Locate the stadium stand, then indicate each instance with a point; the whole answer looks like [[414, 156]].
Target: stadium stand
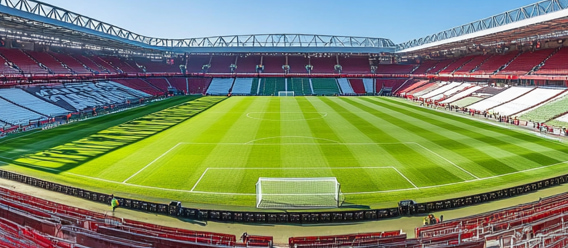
[[27, 221], [220, 86], [30, 102], [345, 86], [419, 92], [501, 98], [526, 62], [242, 86], [182, 84], [495, 62], [357, 86], [16, 115], [323, 64], [196, 63], [120, 65], [467, 101], [471, 64], [441, 65], [106, 64], [511, 227], [196, 85], [5, 68], [458, 63], [526, 101], [221, 64], [23, 61], [273, 64], [80, 96], [444, 86], [543, 113], [271, 86], [369, 85], [425, 66], [141, 85], [97, 68], [394, 69], [297, 64], [388, 86], [160, 83], [556, 64], [247, 64], [450, 92], [410, 87], [354, 64], [563, 118], [460, 95], [325, 86], [154, 66], [300, 86], [49, 61], [386, 239], [71, 63]]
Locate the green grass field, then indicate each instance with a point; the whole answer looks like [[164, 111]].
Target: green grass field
[[212, 150]]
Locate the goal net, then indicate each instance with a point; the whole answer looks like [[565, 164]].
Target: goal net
[[298, 193], [285, 93]]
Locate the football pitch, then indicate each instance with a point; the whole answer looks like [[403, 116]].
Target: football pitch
[[212, 150]]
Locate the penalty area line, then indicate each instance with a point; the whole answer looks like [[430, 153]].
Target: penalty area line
[[414, 185], [199, 180], [153, 161], [447, 160], [347, 193]]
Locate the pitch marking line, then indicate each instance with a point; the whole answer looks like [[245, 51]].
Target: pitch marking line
[[447, 160], [252, 142], [153, 161], [405, 177], [350, 193], [299, 168], [195, 185]]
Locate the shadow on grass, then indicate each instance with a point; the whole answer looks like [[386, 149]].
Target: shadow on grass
[[72, 154], [354, 206]]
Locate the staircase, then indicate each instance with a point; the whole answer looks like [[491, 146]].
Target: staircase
[[507, 64], [457, 69], [537, 67], [483, 62]]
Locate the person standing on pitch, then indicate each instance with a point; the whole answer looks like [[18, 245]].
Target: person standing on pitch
[[113, 202]]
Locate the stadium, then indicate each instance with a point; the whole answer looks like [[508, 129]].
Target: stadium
[[283, 140]]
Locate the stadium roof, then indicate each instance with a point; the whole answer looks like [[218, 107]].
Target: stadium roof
[[546, 19], [40, 21]]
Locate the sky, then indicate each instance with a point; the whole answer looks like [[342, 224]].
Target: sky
[[398, 20]]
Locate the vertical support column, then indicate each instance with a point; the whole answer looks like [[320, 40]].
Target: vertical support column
[[312, 87], [187, 86]]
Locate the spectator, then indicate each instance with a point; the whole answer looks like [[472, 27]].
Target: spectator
[[113, 203]]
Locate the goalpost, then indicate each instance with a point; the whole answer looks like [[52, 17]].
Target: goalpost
[[298, 193], [285, 93]]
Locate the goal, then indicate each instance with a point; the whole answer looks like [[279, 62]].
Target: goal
[[298, 193], [285, 93]]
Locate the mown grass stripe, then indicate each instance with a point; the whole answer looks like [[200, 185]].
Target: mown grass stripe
[[407, 155], [338, 155], [509, 132], [536, 157], [434, 137]]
